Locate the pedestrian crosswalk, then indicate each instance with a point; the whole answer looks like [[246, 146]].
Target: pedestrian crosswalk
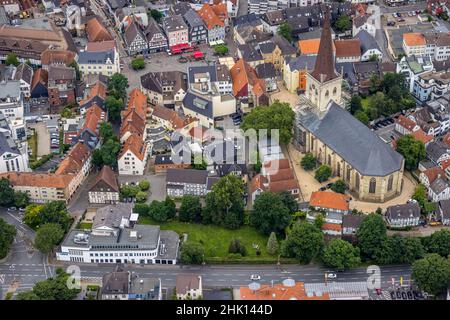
[[386, 295]]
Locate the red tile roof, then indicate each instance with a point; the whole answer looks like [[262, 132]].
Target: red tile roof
[[136, 145], [96, 31], [210, 17], [348, 48], [329, 200], [75, 159], [406, 122]]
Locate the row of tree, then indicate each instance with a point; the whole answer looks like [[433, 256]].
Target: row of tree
[[10, 197]]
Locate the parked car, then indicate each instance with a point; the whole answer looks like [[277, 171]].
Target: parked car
[[331, 275]]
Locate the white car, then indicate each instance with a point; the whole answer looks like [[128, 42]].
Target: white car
[[331, 275], [255, 277]]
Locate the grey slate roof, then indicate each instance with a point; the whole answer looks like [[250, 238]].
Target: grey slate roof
[[198, 104], [192, 71], [181, 8], [115, 283], [193, 19], [186, 176], [174, 23], [403, 211], [265, 70], [353, 141], [9, 89], [249, 53], [352, 221], [301, 62], [439, 185], [445, 208], [97, 57], [435, 150], [7, 145], [267, 47], [367, 41], [111, 216]]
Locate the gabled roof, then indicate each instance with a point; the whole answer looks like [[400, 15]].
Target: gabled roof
[[96, 31], [51, 56], [243, 74], [75, 159], [367, 41], [347, 48], [106, 178], [403, 211], [132, 32], [40, 76], [354, 142], [210, 17], [434, 173], [405, 122], [136, 145], [309, 47], [24, 72], [32, 179], [330, 200]]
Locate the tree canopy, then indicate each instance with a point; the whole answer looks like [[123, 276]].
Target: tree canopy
[[432, 273], [51, 212], [303, 243], [323, 173], [308, 161], [117, 86], [11, 59], [190, 209], [277, 116], [114, 106], [270, 214], [48, 236], [192, 253], [285, 31], [341, 255], [225, 204], [412, 150], [371, 235], [7, 234], [138, 63], [343, 23]]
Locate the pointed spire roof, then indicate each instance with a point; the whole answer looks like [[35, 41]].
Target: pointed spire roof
[[324, 69]]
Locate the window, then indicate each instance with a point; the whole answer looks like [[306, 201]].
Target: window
[[329, 160], [390, 182], [327, 93], [338, 169], [349, 172], [372, 185], [334, 91]]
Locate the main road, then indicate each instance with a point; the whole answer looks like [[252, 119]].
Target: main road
[[219, 276]]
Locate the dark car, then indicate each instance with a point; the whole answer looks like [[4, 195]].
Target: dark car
[[219, 119], [392, 293], [404, 296], [322, 189], [410, 295], [398, 295], [328, 186]]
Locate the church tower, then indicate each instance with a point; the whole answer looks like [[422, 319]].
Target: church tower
[[324, 83]]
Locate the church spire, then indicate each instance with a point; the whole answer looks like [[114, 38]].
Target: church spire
[[324, 68]]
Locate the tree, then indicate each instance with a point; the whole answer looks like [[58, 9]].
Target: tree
[[289, 201], [50, 212], [106, 131], [420, 195], [192, 253], [323, 173], [339, 186], [373, 58], [362, 116], [412, 150], [319, 221], [21, 199], [7, 235], [343, 23], [109, 151], [221, 49], [278, 116], [303, 243], [285, 31], [74, 65], [114, 106], [355, 104], [156, 14], [371, 235], [138, 63], [171, 210], [48, 236], [225, 204], [141, 208], [51, 289], [236, 246], [6, 193], [97, 158], [308, 161], [67, 113], [431, 273], [190, 209], [341, 255], [270, 214], [158, 211], [144, 185], [439, 242], [272, 244], [11, 59], [129, 191], [141, 197], [117, 86]]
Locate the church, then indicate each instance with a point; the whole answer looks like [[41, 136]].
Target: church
[[372, 170]]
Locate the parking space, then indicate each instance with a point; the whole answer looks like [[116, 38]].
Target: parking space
[[43, 137], [404, 294]]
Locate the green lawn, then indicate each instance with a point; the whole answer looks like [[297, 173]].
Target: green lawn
[[32, 142], [86, 225], [217, 239]]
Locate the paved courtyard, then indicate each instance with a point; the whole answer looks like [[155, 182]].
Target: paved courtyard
[[43, 137]]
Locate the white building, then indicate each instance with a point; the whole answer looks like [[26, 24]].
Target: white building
[[141, 244], [132, 158], [11, 99], [13, 157], [105, 63], [403, 215], [105, 188]]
